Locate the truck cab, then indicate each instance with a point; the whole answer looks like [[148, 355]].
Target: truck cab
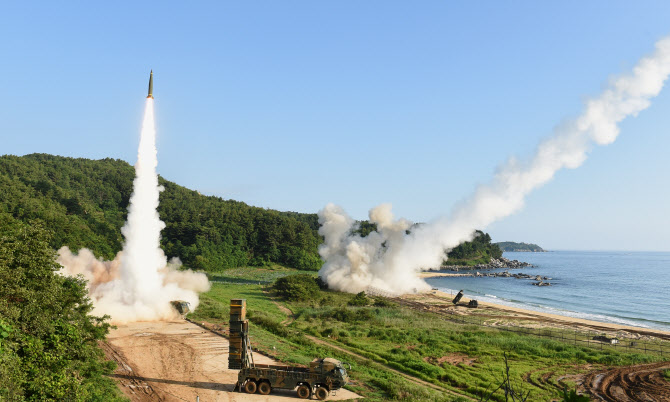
[[332, 370]]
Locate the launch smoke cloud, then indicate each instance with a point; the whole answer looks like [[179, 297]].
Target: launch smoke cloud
[[138, 284], [390, 258]]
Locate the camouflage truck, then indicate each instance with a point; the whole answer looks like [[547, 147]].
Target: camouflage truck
[[182, 307], [322, 376], [319, 379]]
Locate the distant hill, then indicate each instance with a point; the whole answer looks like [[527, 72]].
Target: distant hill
[[513, 246], [84, 202]]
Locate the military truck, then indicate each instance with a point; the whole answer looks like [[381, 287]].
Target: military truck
[[319, 379], [181, 306]]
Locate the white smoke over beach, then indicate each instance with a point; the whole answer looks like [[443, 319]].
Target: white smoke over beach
[[390, 258], [139, 283]]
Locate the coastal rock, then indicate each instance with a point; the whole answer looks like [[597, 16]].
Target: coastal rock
[[541, 283], [501, 262]]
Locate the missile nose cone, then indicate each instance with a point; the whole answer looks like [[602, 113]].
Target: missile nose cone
[[151, 85]]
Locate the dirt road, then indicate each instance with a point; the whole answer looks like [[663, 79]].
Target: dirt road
[[179, 361]]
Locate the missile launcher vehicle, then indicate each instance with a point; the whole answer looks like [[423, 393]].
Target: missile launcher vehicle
[[319, 379], [181, 306]]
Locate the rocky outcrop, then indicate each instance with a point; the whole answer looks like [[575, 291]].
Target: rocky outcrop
[[507, 274], [501, 262], [497, 264]]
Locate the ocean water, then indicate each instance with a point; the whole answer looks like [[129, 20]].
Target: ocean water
[[628, 288]]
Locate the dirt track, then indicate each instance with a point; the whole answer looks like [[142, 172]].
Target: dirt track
[[179, 361], [643, 382]]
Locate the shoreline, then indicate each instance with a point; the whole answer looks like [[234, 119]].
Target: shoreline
[[434, 274], [533, 317]]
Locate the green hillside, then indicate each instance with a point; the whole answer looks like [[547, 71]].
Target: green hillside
[[478, 251], [84, 202], [513, 246]]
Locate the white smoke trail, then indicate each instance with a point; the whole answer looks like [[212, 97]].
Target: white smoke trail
[[390, 258], [139, 284]]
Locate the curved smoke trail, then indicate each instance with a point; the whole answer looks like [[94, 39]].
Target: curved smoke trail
[[139, 284], [390, 258]]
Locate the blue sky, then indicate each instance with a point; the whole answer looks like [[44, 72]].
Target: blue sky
[[291, 105]]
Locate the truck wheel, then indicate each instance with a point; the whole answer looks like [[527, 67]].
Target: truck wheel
[[321, 393], [250, 387], [304, 392], [264, 388]]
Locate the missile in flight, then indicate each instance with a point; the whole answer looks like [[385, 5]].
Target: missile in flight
[[151, 85]]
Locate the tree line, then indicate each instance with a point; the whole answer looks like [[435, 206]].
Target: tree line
[[85, 203]]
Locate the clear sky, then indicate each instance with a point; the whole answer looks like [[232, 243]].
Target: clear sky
[[291, 105]]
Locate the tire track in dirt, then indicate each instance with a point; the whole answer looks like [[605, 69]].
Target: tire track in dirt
[[126, 377], [643, 382], [290, 317]]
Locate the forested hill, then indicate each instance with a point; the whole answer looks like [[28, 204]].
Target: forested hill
[[84, 202], [514, 246]]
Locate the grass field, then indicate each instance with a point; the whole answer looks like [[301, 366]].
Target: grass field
[[465, 360]]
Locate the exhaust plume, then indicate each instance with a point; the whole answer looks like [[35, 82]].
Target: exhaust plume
[[139, 283], [390, 259]]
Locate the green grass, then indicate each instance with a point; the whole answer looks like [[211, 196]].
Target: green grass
[[373, 381], [666, 374], [417, 343], [254, 275]]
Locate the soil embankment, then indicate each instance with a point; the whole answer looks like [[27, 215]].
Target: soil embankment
[[179, 361]]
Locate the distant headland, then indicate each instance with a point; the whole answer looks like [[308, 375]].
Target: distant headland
[[513, 246]]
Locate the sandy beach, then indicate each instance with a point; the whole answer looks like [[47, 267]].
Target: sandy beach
[[435, 274], [514, 316]]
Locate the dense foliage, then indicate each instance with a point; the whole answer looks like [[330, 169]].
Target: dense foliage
[[513, 246], [359, 300], [48, 341], [478, 251], [297, 287], [85, 203]]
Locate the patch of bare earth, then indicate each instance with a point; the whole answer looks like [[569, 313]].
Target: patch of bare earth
[[179, 361], [454, 359], [642, 382]]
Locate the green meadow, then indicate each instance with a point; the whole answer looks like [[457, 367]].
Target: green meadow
[[438, 359]]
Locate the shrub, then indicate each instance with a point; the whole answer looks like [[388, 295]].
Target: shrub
[[359, 300], [381, 302], [297, 287], [326, 300], [322, 284], [269, 325]]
